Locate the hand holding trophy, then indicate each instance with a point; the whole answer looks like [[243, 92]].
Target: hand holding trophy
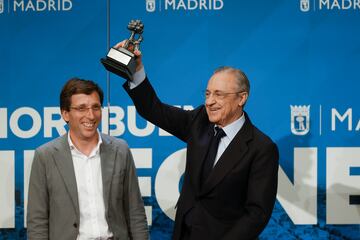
[[122, 61]]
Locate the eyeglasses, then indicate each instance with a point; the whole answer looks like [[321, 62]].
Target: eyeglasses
[[219, 94], [85, 109]]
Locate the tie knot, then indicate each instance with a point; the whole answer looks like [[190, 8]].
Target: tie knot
[[219, 133]]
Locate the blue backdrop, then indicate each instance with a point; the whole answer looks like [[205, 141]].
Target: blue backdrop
[[302, 58]]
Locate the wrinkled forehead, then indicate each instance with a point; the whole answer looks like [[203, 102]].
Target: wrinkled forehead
[[222, 81]]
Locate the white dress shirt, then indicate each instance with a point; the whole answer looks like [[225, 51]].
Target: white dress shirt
[[88, 175], [231, 130]]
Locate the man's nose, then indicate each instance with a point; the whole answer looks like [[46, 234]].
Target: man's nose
[[210, 99], [90, 113]]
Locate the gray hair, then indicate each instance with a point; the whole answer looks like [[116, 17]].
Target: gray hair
[[242, 80]]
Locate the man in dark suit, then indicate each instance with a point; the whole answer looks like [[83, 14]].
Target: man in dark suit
[[230, 179], [83, 185]]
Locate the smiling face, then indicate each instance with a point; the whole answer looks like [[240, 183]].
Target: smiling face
[[83, 117], [224, 99]]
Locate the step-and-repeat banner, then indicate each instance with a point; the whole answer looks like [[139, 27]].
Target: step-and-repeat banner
[[302, 58]]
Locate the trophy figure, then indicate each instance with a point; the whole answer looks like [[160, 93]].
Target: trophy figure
[[122, 61]]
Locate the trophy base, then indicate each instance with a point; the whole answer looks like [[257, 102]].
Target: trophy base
[[120, 62]]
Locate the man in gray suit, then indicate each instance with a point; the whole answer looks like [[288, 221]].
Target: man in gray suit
[[83, 185]]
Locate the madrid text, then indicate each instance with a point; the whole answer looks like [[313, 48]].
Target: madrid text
[[346, 118], [194, 4], [41, 5], [339, 4]]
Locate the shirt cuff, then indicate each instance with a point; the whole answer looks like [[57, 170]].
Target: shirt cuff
[[138, 78]]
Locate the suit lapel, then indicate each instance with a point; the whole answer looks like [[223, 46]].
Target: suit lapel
[[107, 156], [200, 153], [64, 163], [232, 155]]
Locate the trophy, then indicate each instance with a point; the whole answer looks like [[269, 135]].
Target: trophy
[[122, 61]]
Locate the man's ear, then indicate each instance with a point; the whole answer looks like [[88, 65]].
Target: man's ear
[[243, 98], [65, 115]]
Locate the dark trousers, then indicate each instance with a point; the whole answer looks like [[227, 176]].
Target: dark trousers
[[187, 233]]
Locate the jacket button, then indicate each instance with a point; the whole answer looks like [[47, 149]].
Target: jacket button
[[75, 225]]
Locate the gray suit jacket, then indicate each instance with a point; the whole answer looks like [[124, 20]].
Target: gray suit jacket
[[53, 207]]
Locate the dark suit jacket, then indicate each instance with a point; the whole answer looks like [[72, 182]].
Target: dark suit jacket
[[53, 207], [237, 199]]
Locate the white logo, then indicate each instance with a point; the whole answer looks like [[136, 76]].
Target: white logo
[[150, 5], [300, 119], [1, 6], [304, 5]]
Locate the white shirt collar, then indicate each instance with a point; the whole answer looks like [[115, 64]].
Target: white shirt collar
[[233, 128], [93, 152]]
